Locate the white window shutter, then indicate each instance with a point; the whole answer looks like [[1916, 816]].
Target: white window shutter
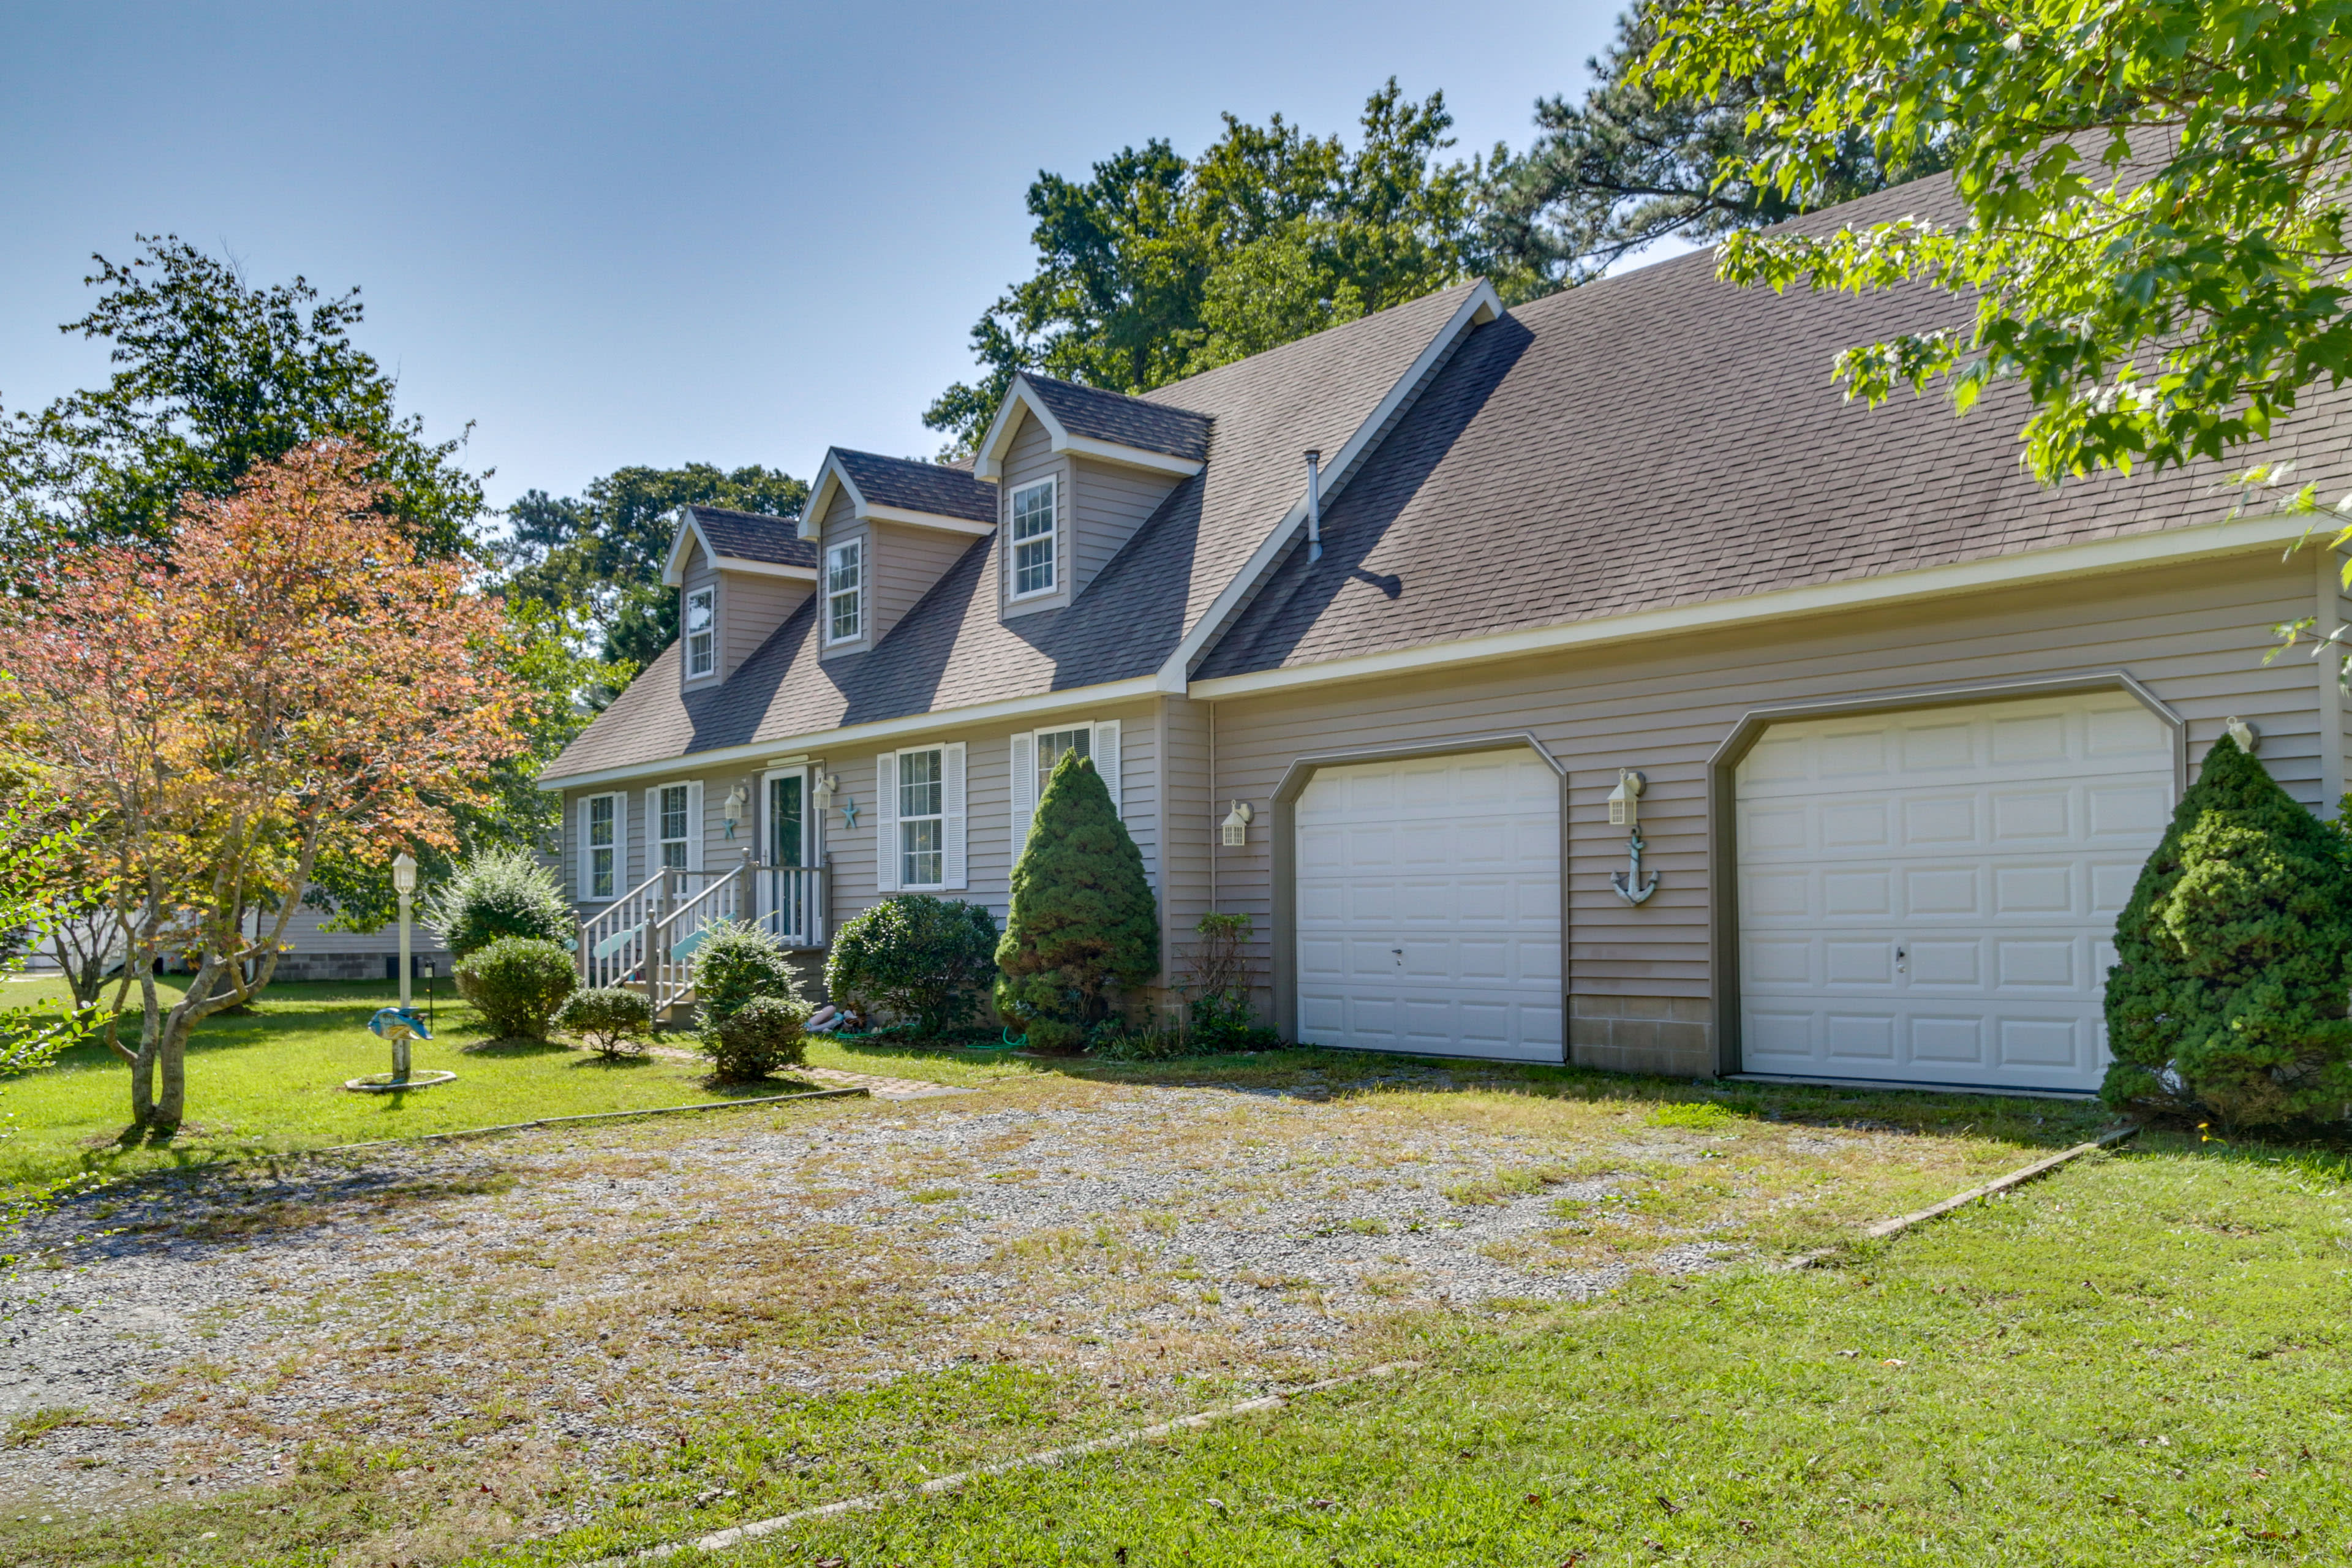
[[621, 883], [1025, 792], [1105, 754], [694, 825], [582, 886], [952, 808], [653, 830], [885, 823]]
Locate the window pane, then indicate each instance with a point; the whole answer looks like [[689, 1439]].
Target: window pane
[[697, 609], [599, 820], [1051, 744], [600, 873], [673, 809], [784, 821], [918, 784], [922, 862]]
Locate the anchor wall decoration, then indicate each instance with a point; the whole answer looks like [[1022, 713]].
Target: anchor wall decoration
[[1624, 811]]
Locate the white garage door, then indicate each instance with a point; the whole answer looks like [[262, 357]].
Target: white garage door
[[1428, 906], [1930, 896]]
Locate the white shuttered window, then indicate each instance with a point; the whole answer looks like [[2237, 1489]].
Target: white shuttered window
[[919, 838], [1034, 755], [604, 845]]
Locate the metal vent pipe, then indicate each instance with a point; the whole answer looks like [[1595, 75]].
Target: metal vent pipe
[[1314, 505]]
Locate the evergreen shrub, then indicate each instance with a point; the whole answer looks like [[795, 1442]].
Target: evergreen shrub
[[500, 892], [915, 958], [611, 1020], [2229, 996], [734, 963], [517, 982], [1083, 918], [765, 1034]]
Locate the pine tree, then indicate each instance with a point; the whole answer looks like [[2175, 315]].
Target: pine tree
[[1083, 915], [2234, 958]]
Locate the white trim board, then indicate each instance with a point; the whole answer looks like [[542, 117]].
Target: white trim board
[[2167, 547], [1482, 305], [1077, 699]]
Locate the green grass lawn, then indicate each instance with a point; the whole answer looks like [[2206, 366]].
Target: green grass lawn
[[2142, 1361], [270, 1082]]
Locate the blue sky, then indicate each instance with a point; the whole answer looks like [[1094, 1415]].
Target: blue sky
[[659, 233]]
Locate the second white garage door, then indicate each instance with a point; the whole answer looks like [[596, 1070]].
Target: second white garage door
[[1930, 896], [1428, 906]]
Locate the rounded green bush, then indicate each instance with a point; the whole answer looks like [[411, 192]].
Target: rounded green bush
[[735, 962], [914, 957], [765, 1034], [611, 1020], [518, 983], [500, 892]]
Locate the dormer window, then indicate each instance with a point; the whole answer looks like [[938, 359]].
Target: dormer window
[[845, 577], [701, 632], [1032, 539]]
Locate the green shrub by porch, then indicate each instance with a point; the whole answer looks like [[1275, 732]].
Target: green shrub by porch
[[2229, 996], [518, 982], [916, 957], [734, 963], [1083, 918], [500, 892]]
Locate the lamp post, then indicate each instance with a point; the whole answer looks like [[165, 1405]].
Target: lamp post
[[403, 880]]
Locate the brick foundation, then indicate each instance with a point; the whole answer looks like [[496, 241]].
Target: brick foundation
[[1672, 1035]]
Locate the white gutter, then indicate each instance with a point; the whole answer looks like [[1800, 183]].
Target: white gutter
[[2169, 547], [816, 742]]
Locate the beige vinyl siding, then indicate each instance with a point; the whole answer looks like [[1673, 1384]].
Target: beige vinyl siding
[[907, 562], [840, 526], [1030, 458], [2195, 636], [1186, 827], [1106, 504], [752, 605]]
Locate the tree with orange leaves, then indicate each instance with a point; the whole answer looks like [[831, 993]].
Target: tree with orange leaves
[[296, 677]]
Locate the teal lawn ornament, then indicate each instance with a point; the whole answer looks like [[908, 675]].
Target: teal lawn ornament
[[400, 1025]]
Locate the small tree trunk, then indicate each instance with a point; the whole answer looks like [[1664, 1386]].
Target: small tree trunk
[[143, 1066], [172, 1101]]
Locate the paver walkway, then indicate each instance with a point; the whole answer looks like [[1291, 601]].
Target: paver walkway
[[875, 1084]]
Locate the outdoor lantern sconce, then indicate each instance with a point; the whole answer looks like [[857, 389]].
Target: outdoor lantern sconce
[[2248, 737], [1625, 811], [731, 813], [1236, 825]]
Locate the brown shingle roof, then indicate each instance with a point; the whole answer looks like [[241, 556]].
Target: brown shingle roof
[[943, 490], [1124, 421], [952, 649], [1662, 438], [754, 536]]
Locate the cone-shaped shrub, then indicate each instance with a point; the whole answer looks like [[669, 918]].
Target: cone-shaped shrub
[[2234, 958], [1083, 918]]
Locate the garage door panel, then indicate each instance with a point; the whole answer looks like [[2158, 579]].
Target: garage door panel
[[2016, 832], [1447, 903]]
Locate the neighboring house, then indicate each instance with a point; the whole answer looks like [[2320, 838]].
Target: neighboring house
[[1906, 723]]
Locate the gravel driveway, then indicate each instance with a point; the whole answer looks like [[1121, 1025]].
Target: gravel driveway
[[566, 1292]]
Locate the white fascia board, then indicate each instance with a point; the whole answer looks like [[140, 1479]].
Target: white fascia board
[[817, 742], [1482, 305], [828, 474], [1129, 456], [674, 566], [2172, 546], [939, 521], [765, 568], [988, 459]]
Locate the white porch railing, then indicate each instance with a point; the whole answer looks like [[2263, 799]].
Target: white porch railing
[[646, 937]]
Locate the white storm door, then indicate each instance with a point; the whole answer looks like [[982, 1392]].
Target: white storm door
[[1930, 896], [1428, 906]]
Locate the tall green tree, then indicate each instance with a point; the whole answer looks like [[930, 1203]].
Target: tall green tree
[[2152, 199], [1083, 918], [604, 550], [1625, 166], [1160, 266], [214, 374]]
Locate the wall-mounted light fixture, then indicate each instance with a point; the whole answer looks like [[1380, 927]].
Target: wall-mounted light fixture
[[1624, 801], [732, 810], [1236, 825], [2247, 736], [821, 786]]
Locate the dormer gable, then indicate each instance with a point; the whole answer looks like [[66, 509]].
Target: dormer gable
[[738, 576], [1108, 426], [1080, 471], [885, 530]]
